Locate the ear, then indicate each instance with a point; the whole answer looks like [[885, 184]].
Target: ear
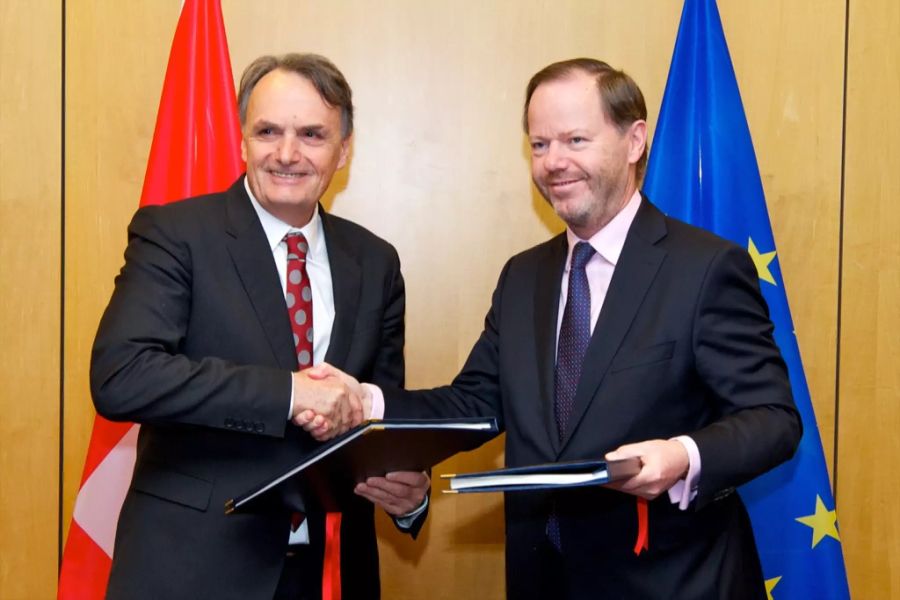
[[637, 140], [244, 149], [345, 151]]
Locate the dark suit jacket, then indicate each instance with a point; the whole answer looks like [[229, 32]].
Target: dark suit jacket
[[196, 346], [683, 345]]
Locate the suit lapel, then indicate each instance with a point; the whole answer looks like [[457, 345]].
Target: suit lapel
[[346, 279], [635, 271], [546, 314], [252, 258]]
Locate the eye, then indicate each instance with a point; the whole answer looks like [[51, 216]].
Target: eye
[[577, 139], [312, 133], [537, 145]]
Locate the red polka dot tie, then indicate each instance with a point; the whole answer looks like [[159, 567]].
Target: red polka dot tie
[[300, 310], [299, 298]]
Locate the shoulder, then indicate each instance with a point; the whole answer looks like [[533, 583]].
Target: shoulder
[[197, 217], [538, 265], [553, 249], [681, 241], [693, 251], [204, 205]]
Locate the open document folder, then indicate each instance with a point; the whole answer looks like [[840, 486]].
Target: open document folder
[[550, 475], [368, 450]]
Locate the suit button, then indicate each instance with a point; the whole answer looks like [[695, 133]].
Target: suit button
[[239, 425], [229, 423], [259, 427]]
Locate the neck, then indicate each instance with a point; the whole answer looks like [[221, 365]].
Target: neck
[[612, 208]]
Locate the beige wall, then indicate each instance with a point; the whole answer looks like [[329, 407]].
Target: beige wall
[[30, 246], [868, 484], [439, 168]]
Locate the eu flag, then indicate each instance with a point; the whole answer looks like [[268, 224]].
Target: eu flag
[[703, 170]]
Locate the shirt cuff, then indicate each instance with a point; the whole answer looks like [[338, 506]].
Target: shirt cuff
[[291, 406], [406, 521], [685, 489], [377, 401]]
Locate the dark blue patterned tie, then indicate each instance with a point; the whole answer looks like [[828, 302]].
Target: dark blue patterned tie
[[574, 335]]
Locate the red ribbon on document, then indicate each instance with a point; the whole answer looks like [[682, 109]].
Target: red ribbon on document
[[331, 569], [643, 533]]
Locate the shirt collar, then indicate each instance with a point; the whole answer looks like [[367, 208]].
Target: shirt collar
[[608, 242], [275, 229]]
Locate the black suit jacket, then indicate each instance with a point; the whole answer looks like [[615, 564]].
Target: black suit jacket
[[683, 345], [196, 346]]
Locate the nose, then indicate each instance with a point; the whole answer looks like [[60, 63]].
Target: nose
[[288, 150], [555, 159]]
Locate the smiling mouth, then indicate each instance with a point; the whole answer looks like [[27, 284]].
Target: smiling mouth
[[287, 175], [562, 184]]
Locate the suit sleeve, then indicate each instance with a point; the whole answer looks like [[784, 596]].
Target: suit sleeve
[[137, 371], [737, 358]]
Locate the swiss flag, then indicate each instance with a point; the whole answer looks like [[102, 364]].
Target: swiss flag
[[195, 150]]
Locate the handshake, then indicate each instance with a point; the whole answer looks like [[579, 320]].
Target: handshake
[[328, 402]]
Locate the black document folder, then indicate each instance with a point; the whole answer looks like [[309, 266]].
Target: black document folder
[[546, 476], [371, 449]]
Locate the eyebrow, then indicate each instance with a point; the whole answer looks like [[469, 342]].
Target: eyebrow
[[572, 132], [264, 124]]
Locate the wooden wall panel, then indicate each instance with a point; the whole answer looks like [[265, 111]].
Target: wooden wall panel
[[868, 485], [116, 61], [30, 204], [440, 168]]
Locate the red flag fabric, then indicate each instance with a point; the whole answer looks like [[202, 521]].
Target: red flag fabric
[[195, 150]]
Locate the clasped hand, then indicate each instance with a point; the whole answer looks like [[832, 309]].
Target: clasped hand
[[328, 402]]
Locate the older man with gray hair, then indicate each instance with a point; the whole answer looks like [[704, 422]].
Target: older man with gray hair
[[222, 303]]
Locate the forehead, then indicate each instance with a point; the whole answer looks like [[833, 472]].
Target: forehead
[[564, 104], [286, 96]]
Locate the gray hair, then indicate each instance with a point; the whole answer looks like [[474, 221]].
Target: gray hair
[[318, 70]]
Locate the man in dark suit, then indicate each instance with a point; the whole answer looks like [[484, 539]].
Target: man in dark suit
[[631, 334], [223, 301]]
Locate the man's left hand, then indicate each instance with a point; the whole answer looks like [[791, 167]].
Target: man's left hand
[[663, 462], [398, 493]]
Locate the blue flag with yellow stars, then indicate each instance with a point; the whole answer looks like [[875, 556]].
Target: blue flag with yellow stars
[[703, 170]]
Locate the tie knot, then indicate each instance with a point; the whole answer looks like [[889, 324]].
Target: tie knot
[[296, 246], [581, 254]]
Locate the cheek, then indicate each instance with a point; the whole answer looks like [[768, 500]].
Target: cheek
[[253, 156]]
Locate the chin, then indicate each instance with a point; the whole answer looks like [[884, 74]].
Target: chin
[[570, 210]]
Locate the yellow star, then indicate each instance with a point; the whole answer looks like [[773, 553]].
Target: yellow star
[[823, 522], [770, 585], [761, 260]]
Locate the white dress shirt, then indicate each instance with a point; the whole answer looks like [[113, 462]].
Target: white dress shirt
[[319, 272]]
